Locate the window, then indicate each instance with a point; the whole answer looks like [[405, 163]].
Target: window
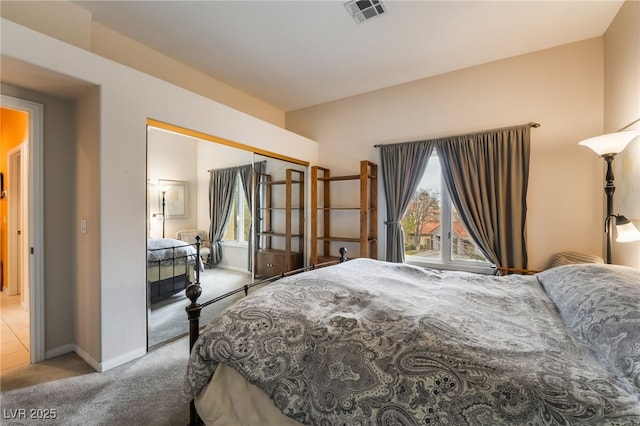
[[239, 223], [434, 234]]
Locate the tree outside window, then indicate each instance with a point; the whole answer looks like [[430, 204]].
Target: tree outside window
[[434, 234]]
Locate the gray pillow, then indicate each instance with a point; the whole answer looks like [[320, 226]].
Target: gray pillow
[[600, 304]]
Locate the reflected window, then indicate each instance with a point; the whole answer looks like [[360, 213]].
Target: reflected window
[[239, 223]]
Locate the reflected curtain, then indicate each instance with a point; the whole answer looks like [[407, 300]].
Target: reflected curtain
[[402, 167], [247, 176], [489, 174], [221, 189]]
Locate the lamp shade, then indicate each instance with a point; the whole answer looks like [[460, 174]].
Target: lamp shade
[[611, 143], [627, 231]]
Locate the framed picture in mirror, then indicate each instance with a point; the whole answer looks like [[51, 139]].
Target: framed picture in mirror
[[172, 196]]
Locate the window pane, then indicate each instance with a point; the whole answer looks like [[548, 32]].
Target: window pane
[[421, 221], [231, 232], [247, 219], [433, 230], [462, 245]]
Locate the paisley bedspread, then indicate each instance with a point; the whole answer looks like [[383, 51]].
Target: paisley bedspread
[[168, 251], [370, 342]]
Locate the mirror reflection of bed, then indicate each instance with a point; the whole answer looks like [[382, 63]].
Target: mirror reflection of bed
[[179, 172], [166, 318]]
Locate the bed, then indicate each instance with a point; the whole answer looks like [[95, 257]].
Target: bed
[[170, 267], [370, 342]]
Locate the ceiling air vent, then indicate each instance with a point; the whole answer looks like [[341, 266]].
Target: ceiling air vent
[[361, 10]]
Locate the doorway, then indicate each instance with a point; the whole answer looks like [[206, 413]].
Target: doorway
[[18, 275], [22, 230]]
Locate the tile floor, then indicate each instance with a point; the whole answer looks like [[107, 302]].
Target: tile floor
[[14, 340], [15, 369]]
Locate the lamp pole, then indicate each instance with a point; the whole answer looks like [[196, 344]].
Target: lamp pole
[[609, 189], [163, 207]]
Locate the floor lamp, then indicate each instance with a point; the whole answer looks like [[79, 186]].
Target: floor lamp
[[608, 146], [163, 214], [164, 204]]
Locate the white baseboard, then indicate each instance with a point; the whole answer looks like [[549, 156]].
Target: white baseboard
[[123, 359], [60, 350], [234, 268], [88, 359], [100, 367], [72, 347]]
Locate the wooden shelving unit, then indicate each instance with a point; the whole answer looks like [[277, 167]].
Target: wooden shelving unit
[[322, 210], [288, 253]]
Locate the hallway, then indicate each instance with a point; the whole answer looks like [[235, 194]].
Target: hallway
[[14, 341]]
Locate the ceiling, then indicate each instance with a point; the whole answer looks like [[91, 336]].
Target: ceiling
[[294, 54]]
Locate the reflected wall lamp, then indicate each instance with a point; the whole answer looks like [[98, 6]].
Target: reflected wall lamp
[[163, 214], [164, 204], [607, 146]]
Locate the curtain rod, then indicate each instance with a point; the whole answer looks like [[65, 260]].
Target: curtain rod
[[531, 124], [242, 165], [630, 124]]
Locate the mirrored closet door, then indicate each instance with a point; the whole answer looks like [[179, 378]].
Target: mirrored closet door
[[247, 209]]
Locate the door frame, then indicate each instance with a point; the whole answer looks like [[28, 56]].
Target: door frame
[[16, 209], [34, 203]]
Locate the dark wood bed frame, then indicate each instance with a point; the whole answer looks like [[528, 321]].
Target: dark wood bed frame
[[194, 290], [165, 288]]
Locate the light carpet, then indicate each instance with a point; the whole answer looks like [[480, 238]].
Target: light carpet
[[168, 318], [146, 391]]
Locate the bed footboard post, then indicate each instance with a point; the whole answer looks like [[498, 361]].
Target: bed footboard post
[[198, 258], [193, 291], [343, 254]]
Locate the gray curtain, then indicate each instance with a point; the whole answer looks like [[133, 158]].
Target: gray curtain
[[402, 167], [221, 189], [247, 177], [489, 174]]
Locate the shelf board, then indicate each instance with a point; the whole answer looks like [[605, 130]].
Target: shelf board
[[276, 251], [280, 208], [335, 178], [346, 177], [323, 259], [277, 182], [345, 239], [345, 208], [339, 208], [279, 234]]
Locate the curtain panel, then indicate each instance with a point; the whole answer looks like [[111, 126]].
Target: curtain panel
[[248, 177], [402, 166], [487, 175], [221, 189]]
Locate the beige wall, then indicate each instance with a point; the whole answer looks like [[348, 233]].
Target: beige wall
[[622, 107], [72, 24], [561, 88], [91, 315], [109, 176]]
